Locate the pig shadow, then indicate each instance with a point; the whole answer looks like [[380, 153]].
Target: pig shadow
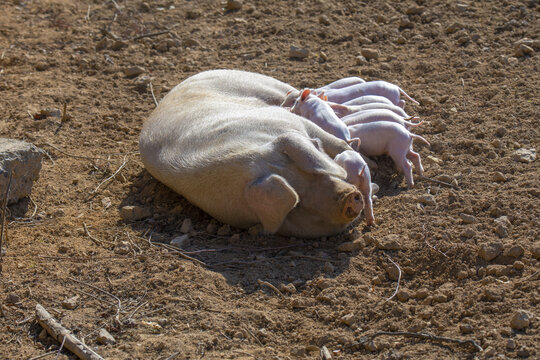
[[241, 256]]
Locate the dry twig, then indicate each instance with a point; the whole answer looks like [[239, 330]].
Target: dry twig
[[119, 305], [429, 337], [61, 334], [253, 335], [267, 284], [438, 182], [398, 280], [431, 246], [150, 34], [42, 355], [153, 95], [124, 163]]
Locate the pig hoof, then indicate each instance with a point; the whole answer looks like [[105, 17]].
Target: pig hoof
[[353, 205]]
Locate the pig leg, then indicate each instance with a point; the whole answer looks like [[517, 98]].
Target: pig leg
[[415, 158], [405, 166], [401, 104], [365, 190]]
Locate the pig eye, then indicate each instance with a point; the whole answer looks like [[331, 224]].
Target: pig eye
[[357, 198]]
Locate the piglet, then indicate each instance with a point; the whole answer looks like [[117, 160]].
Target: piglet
[[382, 88], [368, 116], [368, 99], [344, 110], [358, 174], [290, 98], [317, 110], [392, 139], [342, 83]]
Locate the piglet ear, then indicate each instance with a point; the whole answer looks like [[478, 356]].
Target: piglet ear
[[271, 198], [362, 171], [321, 95], [354, 143], [288, 92], [305, 94], [325, 98]]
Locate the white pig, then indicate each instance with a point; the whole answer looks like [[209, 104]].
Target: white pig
[[220, 140], [341, 83], [389, 138], [317, 110], [368, 116], [381, 88], [344, 110], [358, 174]]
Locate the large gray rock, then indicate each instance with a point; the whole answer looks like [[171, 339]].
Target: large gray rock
[[23, 160]]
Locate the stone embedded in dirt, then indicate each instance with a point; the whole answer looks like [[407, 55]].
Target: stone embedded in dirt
[[467, 219], [105, 338], [180, 241], [510, 344], [489, 352], [370, 54], [403, 295], [493, 293], [323, 19], [415, 10], [133, 71], [462, 274], [348, 319], [298, 53], [134, 212], [119, 45], [187, 226], [393, 272], [524, 155], [389, 242], [71, 303], [501, 226], [444, 178], [498, 177], [490, 250], [350, 246], [23, 161], [523, 352], [421, 293], [520, 320], [518, 265], [465, 328], [428, 200], [515, 251], [62, 249], [325, 283], [523, 50], [535, 251], [468, 233], [122, 248], [234, 5], [360, 60]]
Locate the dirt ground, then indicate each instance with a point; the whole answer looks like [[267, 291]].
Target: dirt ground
[[468, 255]]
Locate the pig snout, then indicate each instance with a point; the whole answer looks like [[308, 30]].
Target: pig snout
[[352, 205]]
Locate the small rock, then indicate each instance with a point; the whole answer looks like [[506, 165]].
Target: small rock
[[389, 242], [497, 143], [190, 42], [523, 50], [463, 274], [468, 233], [498, 177], [524, 155], [325, 283], [162, 46], [180, 241], [515, 251], [133, 71], [493, 294], [134, 213], [348, 319], [323, 19], [13, 298], [177, 210], [393, 272], [63, 249], [467, 219], [350, 246], [440, 298], [523, 352], [212, 227], [360, 60], [289, 288], [510, 344], [43, 335], [520, 320], [415, 10], [119, 45], [145, 7], [444, 178], [187, 226], [122, 248], [71, 303], [102, 44], [489, 352], [421, 293], [466, 328], [428, 200], [298, 53], [518, 265], [401, 40], [106, 202], [462, 7], [501, 230], [234, 5], [490, 250], [403, 295], [535, 251], [370, 54], [104, 337], [224, 230]]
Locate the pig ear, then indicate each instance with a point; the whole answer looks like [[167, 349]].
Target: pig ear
[[362, 171], [288, 92], [321, 95], [325, 98], [271, 198], [339, 109], [305, 94], [354, 143]]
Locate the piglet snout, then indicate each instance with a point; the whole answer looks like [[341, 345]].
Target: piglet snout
[[352, 205]]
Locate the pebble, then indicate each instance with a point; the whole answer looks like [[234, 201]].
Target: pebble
[[523, 50], [428, 200], [63, 249], [122, 248], [462, 274], [106, 202], [444, 178], [535, 251], [466, 328], [389, 242], [360, 60], [493, 294], [298, 53], [403, 295], [350, 246], [520, 320], [348, 319], [421, 293], [489, 352], [119, 45], [401, 40], [524, 155], [515, 251], [234, 5], [370, 54], [415, 10], [518, 265], [180, 241], [498, 177], [497, 143], [511, 344], [501, 230], [104, 337], [393, 272], [224, 230], [523, 352], [323, 19], [134, 213], [325, 283], [177, 210], [490, 250], [187, 226], [133, 71], [328, 267], [468, 233], [467, 219], [71, 303]]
